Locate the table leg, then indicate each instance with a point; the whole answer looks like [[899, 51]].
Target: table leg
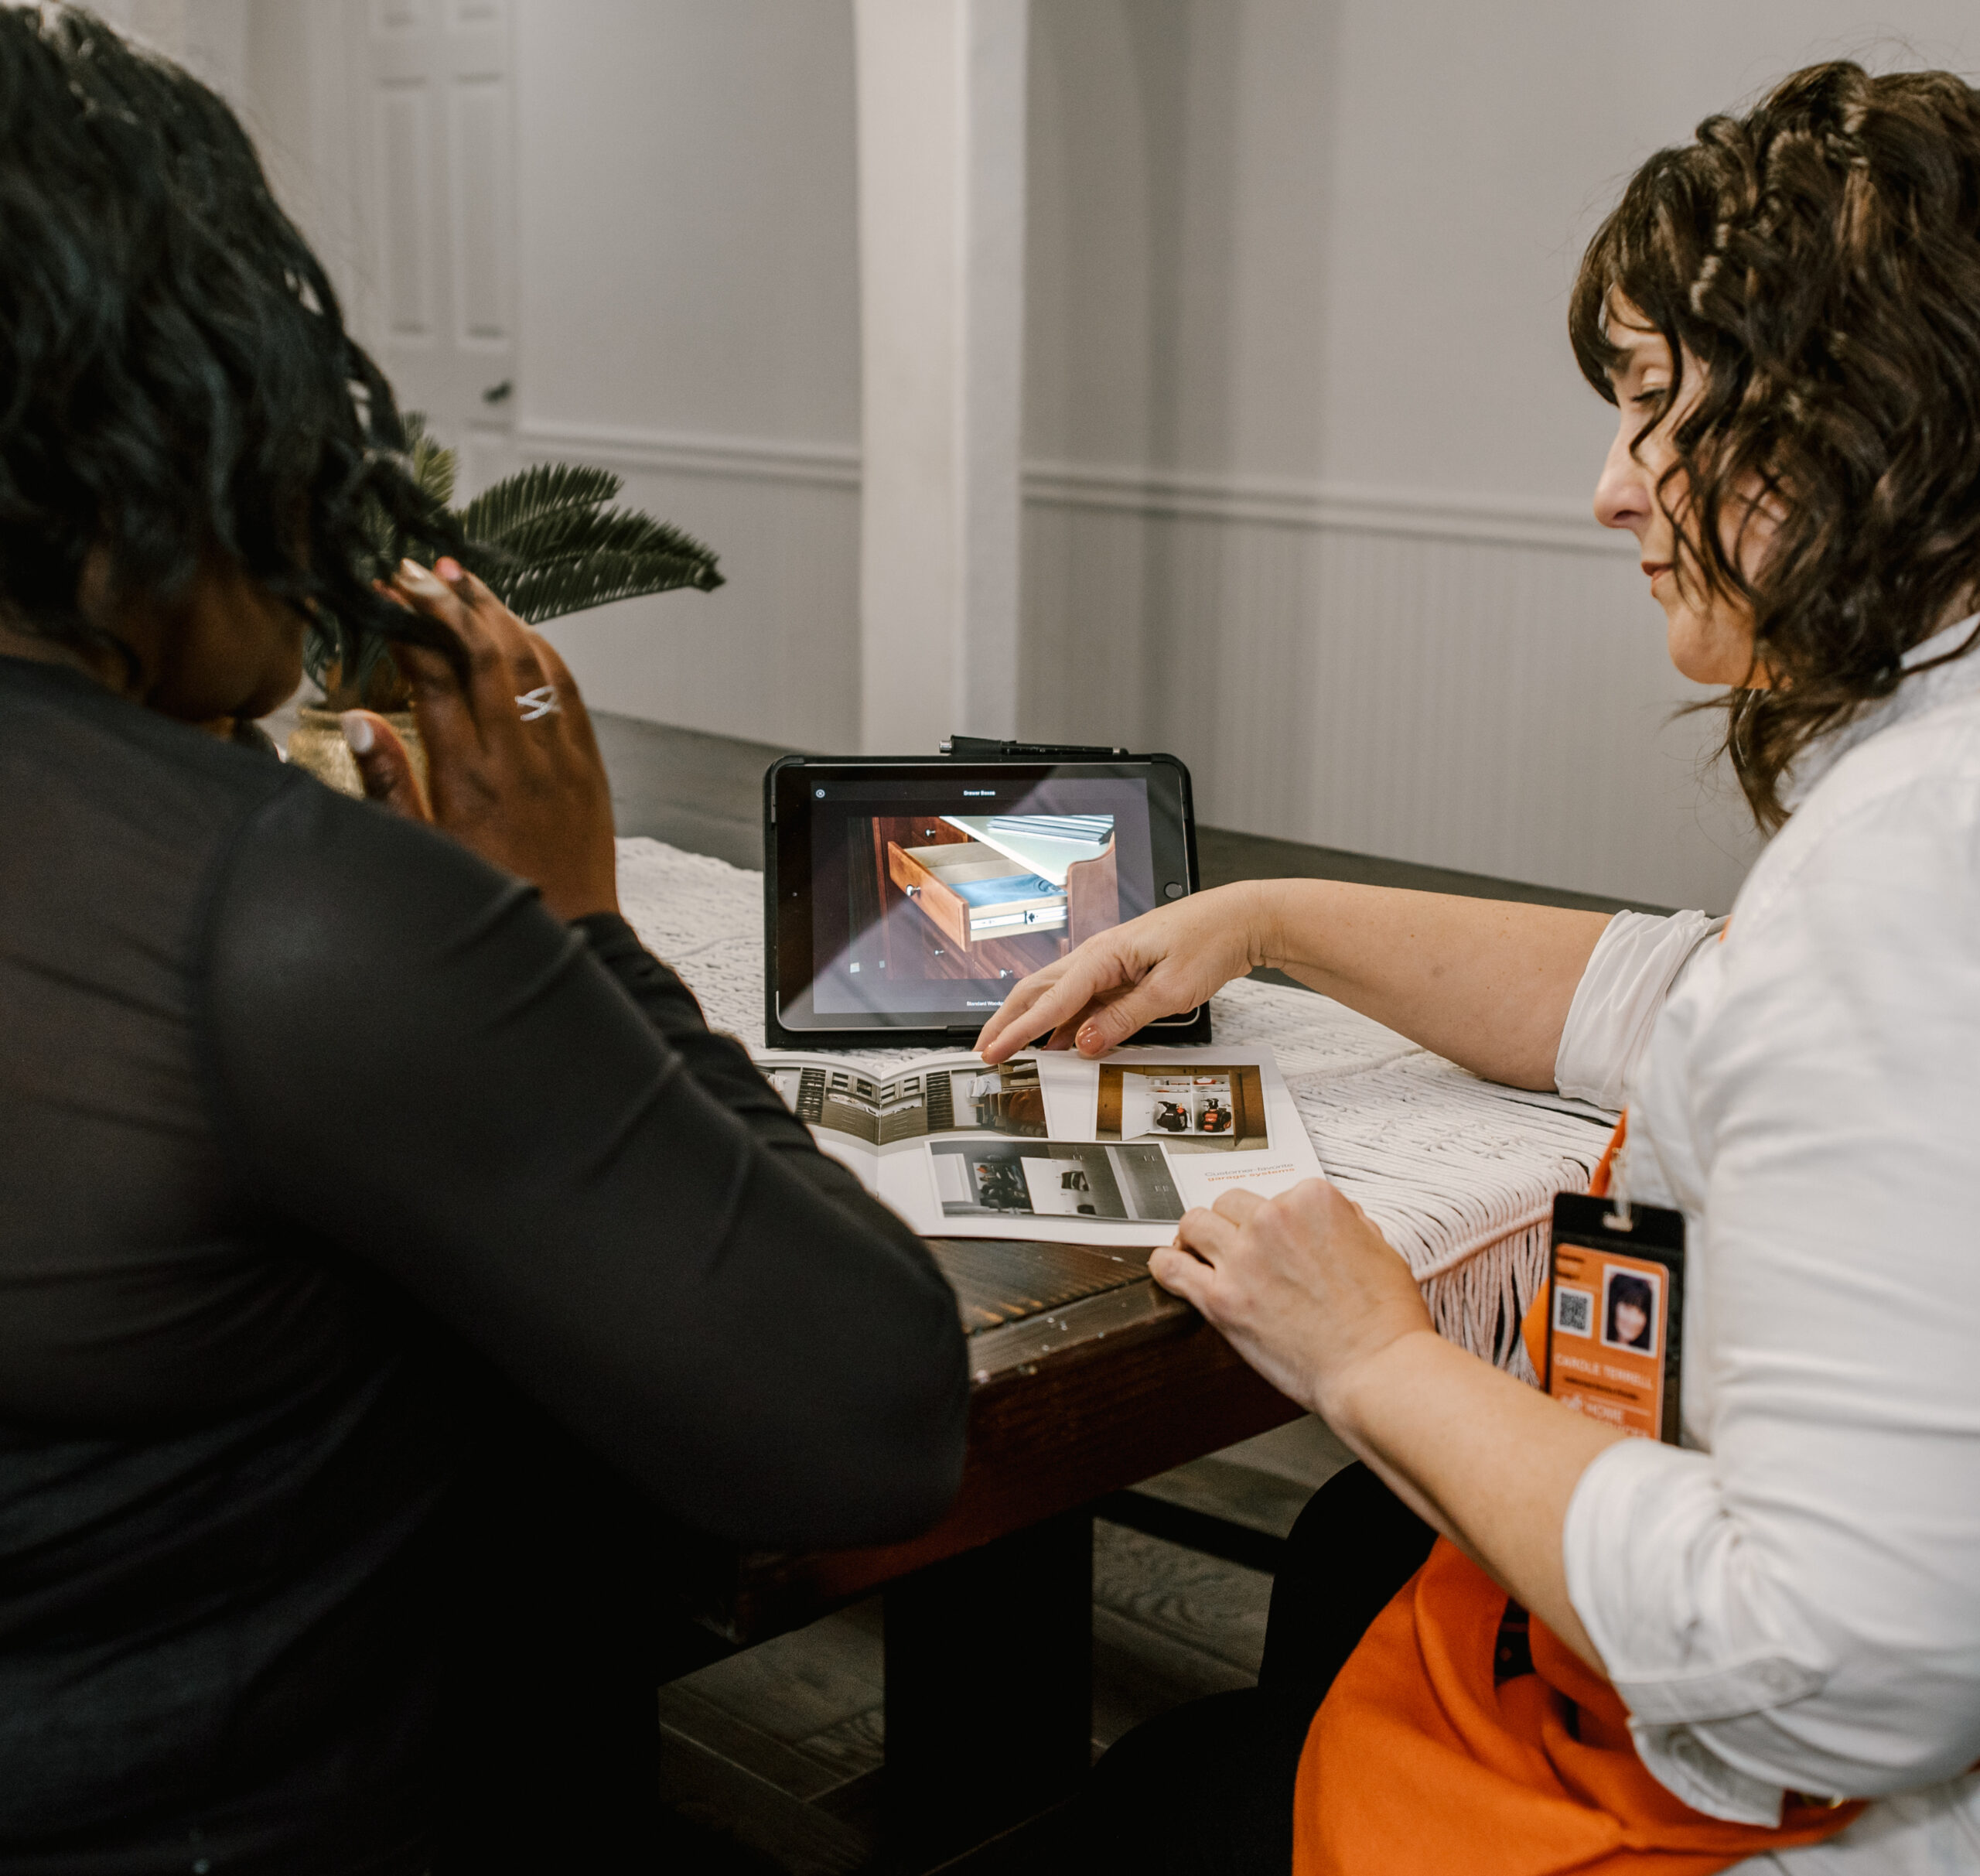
[[989, 1680]]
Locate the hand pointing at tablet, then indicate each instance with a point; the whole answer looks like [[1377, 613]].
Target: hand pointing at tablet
[[1486, 982], [1157, 965]]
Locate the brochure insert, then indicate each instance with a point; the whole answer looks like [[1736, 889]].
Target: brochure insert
[[1054, 1146]]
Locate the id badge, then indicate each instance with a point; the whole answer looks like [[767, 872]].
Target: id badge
[[1616, 1314]]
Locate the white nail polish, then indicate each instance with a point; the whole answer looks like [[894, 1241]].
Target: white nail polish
[[358, 732]]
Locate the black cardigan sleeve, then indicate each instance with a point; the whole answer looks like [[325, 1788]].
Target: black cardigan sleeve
[[530, 1128]]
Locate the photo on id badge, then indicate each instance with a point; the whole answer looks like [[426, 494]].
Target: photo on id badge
[[1610, 1322], [1629, 1308]]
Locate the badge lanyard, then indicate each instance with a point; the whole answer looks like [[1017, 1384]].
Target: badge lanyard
[[1616, 1305]]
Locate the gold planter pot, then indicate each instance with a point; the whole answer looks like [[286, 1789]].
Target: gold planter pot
[[317, 744]]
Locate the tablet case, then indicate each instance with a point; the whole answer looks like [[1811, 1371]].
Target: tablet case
[[975, 750]]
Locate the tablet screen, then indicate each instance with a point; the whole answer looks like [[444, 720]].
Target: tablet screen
[[914, 897]]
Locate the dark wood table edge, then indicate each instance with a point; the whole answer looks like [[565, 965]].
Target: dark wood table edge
[[1134, 1310], [1158, 1339]]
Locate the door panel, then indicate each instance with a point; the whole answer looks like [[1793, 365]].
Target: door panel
[[435, 106], [404, 186]]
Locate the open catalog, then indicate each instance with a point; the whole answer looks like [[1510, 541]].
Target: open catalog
[[1054, 1145]]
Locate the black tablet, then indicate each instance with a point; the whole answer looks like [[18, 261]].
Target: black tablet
[[905, 897]]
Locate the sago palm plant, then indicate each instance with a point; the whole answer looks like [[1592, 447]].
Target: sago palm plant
[[547, 542]]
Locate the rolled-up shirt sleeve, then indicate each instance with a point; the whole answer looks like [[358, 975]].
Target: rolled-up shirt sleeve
[[1798, 1607], [1635, 961]]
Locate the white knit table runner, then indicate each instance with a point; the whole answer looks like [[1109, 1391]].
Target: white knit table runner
[[1460, 1174]]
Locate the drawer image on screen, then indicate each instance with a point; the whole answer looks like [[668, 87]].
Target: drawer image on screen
[[999, 895]]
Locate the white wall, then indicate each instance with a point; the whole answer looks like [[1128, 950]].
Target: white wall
[[1308, 460], [305, 113], [1312, 460], [208, 36], [686, 269], [1333, 238], [689, 314]]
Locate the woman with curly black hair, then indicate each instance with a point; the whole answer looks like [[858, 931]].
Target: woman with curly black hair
[[1513, 1641], [371, 1204]]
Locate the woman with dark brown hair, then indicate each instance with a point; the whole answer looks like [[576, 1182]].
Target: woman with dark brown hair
[[392, 1261], [1512, 1641]]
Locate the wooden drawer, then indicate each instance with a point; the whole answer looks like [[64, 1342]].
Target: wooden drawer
[[938, 879]]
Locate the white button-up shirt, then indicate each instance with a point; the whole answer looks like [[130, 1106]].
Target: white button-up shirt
[[1791, 1600]]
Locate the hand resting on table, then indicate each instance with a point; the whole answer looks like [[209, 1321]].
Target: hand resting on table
[[1301, 1286], [1309, 1292]]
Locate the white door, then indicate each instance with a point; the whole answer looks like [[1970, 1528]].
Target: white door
[[434, 134]]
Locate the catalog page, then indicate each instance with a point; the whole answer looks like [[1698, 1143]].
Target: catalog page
[[1052, 1145]]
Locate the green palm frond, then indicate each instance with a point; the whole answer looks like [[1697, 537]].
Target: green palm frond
[[545, 488], [560, 587], [556, 548], [555, 540], [432, 466], [544, 540]]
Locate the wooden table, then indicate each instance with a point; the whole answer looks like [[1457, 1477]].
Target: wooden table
[[1087, 1378]]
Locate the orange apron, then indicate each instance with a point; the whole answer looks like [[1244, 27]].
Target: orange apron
[[1417, 1765]]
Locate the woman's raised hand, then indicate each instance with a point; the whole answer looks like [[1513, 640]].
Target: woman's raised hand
[[1159, 965], [515, 770]]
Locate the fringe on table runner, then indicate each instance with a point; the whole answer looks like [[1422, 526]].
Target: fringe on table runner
[[1458, 1174]]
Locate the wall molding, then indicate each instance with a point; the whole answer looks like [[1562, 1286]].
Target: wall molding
[[747, 459], [1325, 506], [1562, 526]]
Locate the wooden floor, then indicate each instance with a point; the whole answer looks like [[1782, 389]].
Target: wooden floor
[[777, 1749]]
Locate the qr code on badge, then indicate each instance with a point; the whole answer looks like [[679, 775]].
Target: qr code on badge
[[1574, 1312]]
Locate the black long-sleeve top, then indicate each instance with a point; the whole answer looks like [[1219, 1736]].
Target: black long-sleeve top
[[294, 1097]]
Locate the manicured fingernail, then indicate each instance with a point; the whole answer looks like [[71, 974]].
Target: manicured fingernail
[[415, 575], [358, 732], [1088, 1037], [448, 568]]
